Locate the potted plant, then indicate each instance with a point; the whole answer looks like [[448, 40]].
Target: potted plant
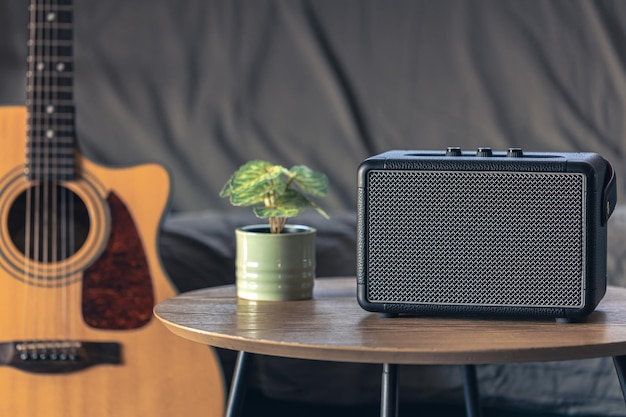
[[275, 261]]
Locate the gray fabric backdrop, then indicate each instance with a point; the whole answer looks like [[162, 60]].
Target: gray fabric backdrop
[[203, 85]]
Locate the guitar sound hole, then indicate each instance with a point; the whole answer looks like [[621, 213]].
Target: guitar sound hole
[[48, 223]]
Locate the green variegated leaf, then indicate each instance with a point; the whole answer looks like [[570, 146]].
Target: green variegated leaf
[[227, 190], [309, 181], [254, 173], [250, 196], [291, 198], [252, 183]]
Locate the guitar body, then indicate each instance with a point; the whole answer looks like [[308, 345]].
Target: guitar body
[[100, 294]]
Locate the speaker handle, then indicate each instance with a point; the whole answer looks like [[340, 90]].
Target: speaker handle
[[609, 194]]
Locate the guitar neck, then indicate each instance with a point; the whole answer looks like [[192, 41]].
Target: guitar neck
[[50, 154]]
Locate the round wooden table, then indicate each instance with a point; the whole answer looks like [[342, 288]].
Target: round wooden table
[[333, 327]]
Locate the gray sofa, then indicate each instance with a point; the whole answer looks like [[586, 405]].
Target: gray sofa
[[201, 86]]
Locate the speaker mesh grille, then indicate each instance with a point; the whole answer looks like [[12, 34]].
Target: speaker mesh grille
[[476, 238]]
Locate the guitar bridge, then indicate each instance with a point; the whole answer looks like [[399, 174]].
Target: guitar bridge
[[58, 357]]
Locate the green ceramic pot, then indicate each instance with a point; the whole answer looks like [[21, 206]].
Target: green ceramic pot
[[275, 267]]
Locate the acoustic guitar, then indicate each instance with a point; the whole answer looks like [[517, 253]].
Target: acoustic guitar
[[79, 264]]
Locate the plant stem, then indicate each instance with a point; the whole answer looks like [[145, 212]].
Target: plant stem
[[277, 224]]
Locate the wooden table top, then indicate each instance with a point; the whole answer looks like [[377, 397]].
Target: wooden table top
[[332, 326]]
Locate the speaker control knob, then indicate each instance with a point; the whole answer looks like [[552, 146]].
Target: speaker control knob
[[484, 152], [454, 151], [515, 153]]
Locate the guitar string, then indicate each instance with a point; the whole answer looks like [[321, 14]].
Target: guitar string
[[32, 126], [51, 177], [65, 220], [39, 145], [61, 287], [70, 290], [49, 134], [48, 203], [42, 208], [51, 181], [74, 321]]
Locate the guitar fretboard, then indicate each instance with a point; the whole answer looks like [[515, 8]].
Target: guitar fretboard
[[50, 153]]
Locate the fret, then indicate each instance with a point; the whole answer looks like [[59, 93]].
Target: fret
[[38, 146], [58, 72], [41, 126], [56, 32], [49, 110], [50, 42], [54, 7], [60, 165], [50, 65], [51, 126], [37, 154], [60, 141], [61, 80], [52, 69], [52, 96], [61, 27], [51, 158], [37, 4], [30, 102], [49, 131], [50, 51], [65, 173], [45, 59], [49, 115], [59, 118], [52, 15], [43, 88], [50, 100], [51, 134], [59, 125], [50, 3], [58, 18], [52, 161]]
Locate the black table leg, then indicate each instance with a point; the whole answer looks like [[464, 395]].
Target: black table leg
[[238, 385], [472, 396], [620, 368], [389, 391]]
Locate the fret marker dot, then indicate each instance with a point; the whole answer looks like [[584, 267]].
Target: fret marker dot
[[60, 67], [50, 109], [41, 66], [49, 134], [50, 17]]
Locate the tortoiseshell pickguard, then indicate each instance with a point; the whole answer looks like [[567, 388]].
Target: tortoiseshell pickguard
[[117, 289]]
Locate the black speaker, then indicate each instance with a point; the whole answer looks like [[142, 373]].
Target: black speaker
[[518, 234]]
